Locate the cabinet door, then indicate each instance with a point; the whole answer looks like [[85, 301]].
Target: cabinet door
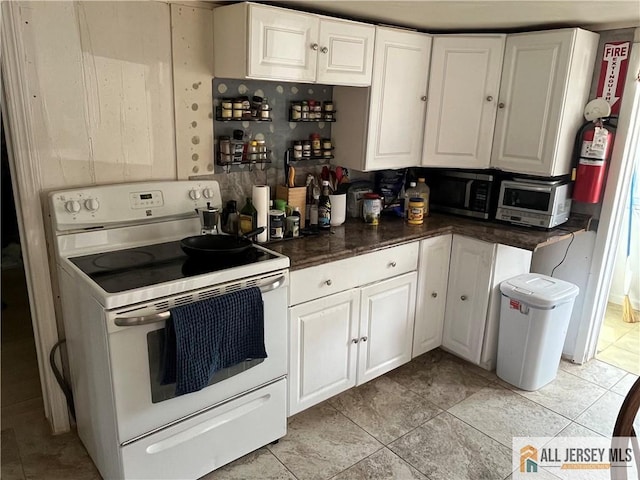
[[398, 99], [467, 297], [461, 108], [346, 53], [323, 355], [282, 44], [534, 77], [387, 311], [433, 275]]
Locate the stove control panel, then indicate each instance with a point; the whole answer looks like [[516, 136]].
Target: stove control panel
[[107, 206]]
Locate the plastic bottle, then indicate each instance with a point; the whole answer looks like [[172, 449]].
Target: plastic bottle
[[324, 207], [412, 191], [423, 191], [248, 217]]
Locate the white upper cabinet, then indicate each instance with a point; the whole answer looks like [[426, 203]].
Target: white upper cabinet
[[382, 127], [272, 43], [545, 84], [462, 101]]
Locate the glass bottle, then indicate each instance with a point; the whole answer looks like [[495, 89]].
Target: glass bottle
[[248, 217], [324, 207], [313, 213], [230, 218]]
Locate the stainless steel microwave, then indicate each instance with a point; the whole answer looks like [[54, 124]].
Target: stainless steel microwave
[[538, 203], [472, 194]]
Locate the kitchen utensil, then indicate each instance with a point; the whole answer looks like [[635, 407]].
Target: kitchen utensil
[[325, 173], [338, 208], [339, 175], [209, 218], [211, 247], [291, 177], [333, 181]]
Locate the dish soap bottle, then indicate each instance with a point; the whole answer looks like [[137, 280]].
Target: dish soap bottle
[[423, 191], [248, 217], [324, 207]]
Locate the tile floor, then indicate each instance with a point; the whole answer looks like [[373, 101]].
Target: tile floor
[[436, 417], [619, 342]]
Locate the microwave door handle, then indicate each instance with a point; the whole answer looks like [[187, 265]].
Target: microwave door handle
[[162, 316], [467, 194]]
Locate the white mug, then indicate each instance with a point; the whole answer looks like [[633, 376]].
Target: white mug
[[338, 208]]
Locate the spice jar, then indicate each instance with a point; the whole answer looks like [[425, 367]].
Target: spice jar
[[317, 110], [371, 208], [262, 150], [315, 141], [305, 110], [246, 107], [225, 149], [297, 150], [265, 109], [256, 106], [296, 111], [306, 148], [326, 143], [237, 108], [226, 109], [415, 214]]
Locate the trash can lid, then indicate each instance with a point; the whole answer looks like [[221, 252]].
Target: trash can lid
[[539, 291]]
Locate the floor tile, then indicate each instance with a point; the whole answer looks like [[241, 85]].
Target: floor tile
[[610, 333], [445, 448], [384, 408], [595, 371], [624, 385], [630, 341], [11, 462], [322, 442], [383, 464], [503, 414], [53, 456], [601, 416], [577, 430], [440, 378], [259, 464], [567, 395], [624, 359], [21, 413]]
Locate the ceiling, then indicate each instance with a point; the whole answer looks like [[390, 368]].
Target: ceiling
[[483, 15]]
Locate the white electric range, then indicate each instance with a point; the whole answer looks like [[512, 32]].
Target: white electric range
[[121, 270]]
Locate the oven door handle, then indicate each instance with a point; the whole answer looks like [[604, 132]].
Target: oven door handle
[[162, 316]]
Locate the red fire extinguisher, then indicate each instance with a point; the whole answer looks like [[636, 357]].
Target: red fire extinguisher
[[594, 143]]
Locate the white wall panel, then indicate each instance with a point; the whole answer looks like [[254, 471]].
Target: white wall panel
[[101, 90], [192, 43]]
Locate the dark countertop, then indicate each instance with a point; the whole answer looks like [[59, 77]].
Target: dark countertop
[[355, 237]]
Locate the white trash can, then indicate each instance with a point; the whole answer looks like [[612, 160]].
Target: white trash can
[[534, 317]]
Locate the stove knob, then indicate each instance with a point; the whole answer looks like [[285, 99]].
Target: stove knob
[[92, 204], [208, 193], [194, 194], [72, 206]]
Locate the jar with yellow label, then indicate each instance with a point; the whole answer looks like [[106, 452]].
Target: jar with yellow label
[[415, 214]]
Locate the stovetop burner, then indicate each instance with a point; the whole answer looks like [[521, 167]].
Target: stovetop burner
[[138, 267]]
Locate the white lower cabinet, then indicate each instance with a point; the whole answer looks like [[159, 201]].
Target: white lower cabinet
[[472, 312], [387, 311], [431, 298], [467, 297], [347, 338], [322, 355]]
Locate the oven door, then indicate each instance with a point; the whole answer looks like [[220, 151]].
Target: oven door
[[143, 405]]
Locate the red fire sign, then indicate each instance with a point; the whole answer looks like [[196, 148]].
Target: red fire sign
[[613, 72]]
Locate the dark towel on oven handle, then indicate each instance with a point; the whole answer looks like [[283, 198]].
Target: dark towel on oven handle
[[204, 337]]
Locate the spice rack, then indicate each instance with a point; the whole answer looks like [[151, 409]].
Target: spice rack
[[240, 109], [238, 152], [312, 149], [312, 111]]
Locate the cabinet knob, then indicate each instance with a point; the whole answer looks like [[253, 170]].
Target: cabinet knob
[[328, 282], [314, 46], [354, 340], [463, 297], [489, 98], [423, 98], [392, 264], [324, 49], [501, 105], [363, 339], [434, 294]]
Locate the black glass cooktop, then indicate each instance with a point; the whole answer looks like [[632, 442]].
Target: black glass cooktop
[[138, 267]]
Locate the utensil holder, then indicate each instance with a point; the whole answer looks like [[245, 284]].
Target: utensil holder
[[295, 197]]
